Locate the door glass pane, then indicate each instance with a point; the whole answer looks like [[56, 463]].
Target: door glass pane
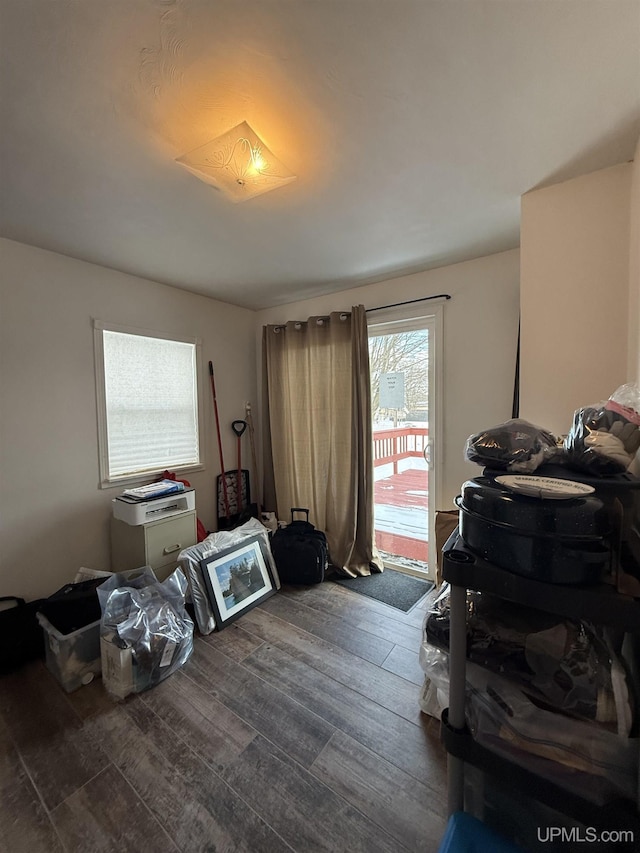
[[400, 415]]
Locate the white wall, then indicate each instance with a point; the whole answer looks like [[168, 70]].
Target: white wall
[[480, 337], [574, 293], [634, 271], [53, 516]]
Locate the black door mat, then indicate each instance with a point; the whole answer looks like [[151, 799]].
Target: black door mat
[[393, 588]]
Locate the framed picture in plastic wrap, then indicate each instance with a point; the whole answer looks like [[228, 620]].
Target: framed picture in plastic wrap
[[237, 579]]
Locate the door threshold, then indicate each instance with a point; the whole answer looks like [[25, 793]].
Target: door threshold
[[409, 570]]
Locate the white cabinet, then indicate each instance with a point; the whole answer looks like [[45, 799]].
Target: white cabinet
[[155, 543]]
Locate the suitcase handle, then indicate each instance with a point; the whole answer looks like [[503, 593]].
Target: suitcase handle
[[19, 602], [299, 509]]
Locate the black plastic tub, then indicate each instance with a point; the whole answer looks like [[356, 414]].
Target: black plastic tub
[[621, 495], [568, 541], [73, 606]]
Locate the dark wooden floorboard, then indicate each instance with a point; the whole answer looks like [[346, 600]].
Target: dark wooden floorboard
[[56, 750], [378, 620], [331, 628], [296, 729], [404, 663], [412, 748], [384, 688], [202, 722], [234, 641], [405, 808], [307, 813], [184, 793], [24, 822], [107, 816]]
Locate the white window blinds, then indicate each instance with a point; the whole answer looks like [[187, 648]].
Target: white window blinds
[[151, 403]]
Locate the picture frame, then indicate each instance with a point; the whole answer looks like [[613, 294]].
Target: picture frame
[[237, 579]]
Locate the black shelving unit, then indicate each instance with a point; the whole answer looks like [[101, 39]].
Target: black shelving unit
[[600, 604]]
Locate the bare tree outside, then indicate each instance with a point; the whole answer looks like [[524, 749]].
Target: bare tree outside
[[400, 353]]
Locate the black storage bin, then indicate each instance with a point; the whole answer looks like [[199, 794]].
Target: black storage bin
[[73, 606], [21, 638], [70, 620]]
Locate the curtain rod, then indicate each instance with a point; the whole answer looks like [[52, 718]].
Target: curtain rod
[[409, 302], [344, 314]]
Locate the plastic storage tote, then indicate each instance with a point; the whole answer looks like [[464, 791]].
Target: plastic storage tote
[[73, 659]]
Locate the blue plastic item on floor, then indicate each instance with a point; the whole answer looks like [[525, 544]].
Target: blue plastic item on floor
[[466, 834]]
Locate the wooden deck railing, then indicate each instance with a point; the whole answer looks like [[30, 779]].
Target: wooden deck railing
[[392, 445]]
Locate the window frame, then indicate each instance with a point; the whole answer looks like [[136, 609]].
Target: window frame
[[105, 479]]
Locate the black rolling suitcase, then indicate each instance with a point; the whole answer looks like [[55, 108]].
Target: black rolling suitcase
[[300, 551]]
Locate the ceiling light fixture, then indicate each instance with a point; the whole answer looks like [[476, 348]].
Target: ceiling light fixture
[[238, 163]]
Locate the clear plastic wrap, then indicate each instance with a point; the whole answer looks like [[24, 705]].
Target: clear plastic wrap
[[581, 757], [604, 439], [145, 631], [564, 665], [434, 695], [431, 700], [515, 445], [189, 561]]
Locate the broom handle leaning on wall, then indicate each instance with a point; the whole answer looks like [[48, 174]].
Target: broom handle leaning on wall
[[215, 409], [249, 419]]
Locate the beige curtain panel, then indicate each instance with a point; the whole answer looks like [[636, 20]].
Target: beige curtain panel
[[318, 446]]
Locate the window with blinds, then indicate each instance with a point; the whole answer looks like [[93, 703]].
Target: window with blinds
[[148, 394]]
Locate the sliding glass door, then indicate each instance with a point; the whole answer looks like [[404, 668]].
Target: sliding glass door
[[404, 390]]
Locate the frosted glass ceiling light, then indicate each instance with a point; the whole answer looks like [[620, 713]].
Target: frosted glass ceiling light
[[238, 163]]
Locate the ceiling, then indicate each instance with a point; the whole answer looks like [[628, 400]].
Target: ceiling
[[413, 128]]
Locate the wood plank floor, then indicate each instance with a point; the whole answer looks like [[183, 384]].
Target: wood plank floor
[[296, 728]]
